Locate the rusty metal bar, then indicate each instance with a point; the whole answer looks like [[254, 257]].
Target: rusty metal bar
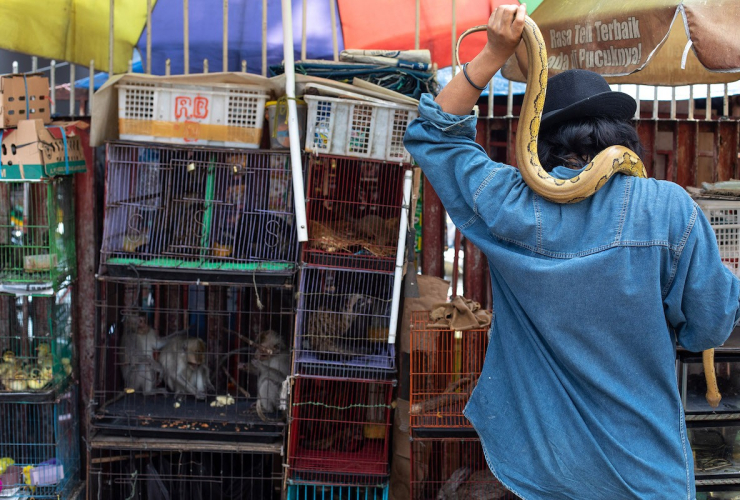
[[432, 233], [456, 262], [475, 269], [727, 150], [685, 145], [647, 131]]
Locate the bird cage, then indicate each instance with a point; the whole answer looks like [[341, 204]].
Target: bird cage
[[37, 236], [339, 431], [336, 492], [36, 343], [184, 359], [39, 446], [129, 468], [197, 210], [342, 324], [445, 366], [452, 468], [354, 210]]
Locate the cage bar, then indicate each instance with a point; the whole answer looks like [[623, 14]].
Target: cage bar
[[445, 366], [342, 324], [336, 492], [452, 468], [184, 359], [724, 217], [354, 212], [198, 210], [37, 238], [39, 446], [160, 469], [339, 431]]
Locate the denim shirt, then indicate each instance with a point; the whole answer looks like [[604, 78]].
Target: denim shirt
[[578, 396]]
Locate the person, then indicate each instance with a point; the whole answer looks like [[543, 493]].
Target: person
[[578, 395]]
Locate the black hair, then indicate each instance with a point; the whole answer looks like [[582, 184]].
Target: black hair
[[575, 143]]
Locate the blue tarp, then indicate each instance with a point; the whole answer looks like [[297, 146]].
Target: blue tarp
[[245, 34]]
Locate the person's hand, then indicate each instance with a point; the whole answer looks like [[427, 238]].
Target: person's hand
[[505, 29]]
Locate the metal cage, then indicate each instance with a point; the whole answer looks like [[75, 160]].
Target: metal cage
[[36, 343], [342, 324], [39, 446], [198, 210], [124, 468], [452, 468], [37, 232], [336, 492], [445, 366], [184, 359], [339, 431], [353, 209]]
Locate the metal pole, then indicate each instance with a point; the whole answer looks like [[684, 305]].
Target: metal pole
[[673, 103], [225, 50], [725, 103], [691, 102], [91, 89], [53, 85], [15, 67], [304, 35], [490, 99], [186, 36], [264, 37], [244, 65], [418, 20], [637, 99], [72, 104], [130, 65], [655, 103], [35, 65], [148, 37], [709, 103], [400, 256], [510, 101], [111, 38], [335, 45], [167, 67], [293, 133], [454, 37], [205, 65]]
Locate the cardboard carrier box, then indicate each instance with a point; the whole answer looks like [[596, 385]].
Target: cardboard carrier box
[[34, 151], [24, 97]]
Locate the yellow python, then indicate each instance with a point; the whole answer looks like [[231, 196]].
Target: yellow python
[[612, 160]]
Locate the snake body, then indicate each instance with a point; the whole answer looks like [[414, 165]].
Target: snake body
[[610, 161]]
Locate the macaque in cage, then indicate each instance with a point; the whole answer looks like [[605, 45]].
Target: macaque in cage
[[272, 363], [141, 372], [183, 361]]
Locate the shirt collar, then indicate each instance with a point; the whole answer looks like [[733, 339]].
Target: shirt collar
[[565, 172]]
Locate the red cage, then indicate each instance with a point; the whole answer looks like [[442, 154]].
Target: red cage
[[354, 210], [339, 431], [452, 468], [445, 366]]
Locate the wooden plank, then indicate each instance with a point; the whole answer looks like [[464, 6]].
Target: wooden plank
[[432, 233], [647, 131], [685, 144], [727, 150]]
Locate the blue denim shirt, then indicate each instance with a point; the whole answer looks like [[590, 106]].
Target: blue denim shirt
[[578, 396]]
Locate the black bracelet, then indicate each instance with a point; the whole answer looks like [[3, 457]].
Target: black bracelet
[[465, 72]]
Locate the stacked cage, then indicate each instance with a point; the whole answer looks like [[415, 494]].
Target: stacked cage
[[196, 309], [39, 437], [714, 433], [344, 363], [447, 460]]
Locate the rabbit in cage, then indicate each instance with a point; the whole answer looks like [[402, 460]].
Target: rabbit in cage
[[343, 331], [466, 484]]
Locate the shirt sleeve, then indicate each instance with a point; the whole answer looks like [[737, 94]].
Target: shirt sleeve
[[457, 167], [702, 304]]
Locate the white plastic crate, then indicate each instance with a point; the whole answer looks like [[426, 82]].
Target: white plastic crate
[[350, 127], [724, 216], [212, 115]]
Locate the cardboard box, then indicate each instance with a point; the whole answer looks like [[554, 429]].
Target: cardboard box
[[24, 97], [34, 152]]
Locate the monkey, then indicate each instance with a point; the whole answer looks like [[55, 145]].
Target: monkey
[[141, 372], [272, 363], [183, 362]]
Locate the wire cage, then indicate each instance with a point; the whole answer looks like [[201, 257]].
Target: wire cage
[[336, 492], [36, 344], [724, 217], [339, 431], [445, 366], [205, 210], [184, 359], [39, 446], [353, 210], [154, 470], [37, 236], [452, 468], [342, 324]]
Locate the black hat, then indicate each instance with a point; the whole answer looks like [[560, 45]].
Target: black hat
[[578, 93]]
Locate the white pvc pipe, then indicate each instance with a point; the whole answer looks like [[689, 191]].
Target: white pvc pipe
[[334, 43], [400, 255], [264, 36], [293, 133], [53, 85]]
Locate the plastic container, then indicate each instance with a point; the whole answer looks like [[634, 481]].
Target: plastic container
[[352, 127], [724, 217], [213, 115], [277, 118]]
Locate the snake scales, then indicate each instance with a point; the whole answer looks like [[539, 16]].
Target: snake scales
[[612, 160]]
